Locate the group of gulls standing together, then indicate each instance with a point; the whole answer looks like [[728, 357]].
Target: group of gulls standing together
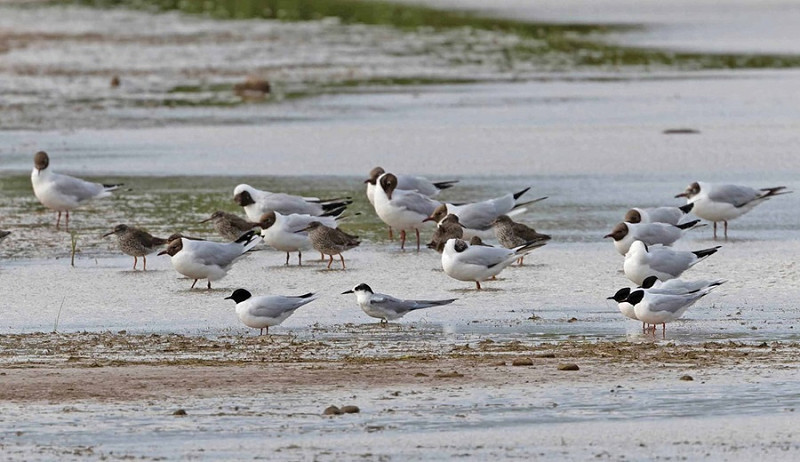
[[645, 238], [291, 223]]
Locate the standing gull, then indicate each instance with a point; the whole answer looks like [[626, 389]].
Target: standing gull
[[723, 202], [287, 232], [229, 225], [207, 260], [388, 308], [63, 193], [265, 311], [661, 308], [402, 209], [464, 262], [136, 242], [330, 241]]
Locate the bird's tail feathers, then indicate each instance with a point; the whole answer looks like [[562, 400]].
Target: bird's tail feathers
[[112, 187], [519, 194], [776, 191], [445, 184], [706, 252], [529, 246], [690, 224], [686, 208]]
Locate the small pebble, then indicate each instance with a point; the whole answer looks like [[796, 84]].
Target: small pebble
[[522, 362], [568, 367], [179, 412], [687, 378], [546, 355], [332, 410]]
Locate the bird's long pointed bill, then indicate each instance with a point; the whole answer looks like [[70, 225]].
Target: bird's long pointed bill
[[207, 219], [108, 233], [683, 194], [228, 298], [163, 252], [347, 292]]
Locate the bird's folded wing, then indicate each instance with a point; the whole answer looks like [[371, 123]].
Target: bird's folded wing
[[733, 194]]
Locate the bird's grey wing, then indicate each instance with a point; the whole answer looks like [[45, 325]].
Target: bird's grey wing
[[671, 262], [415, 202], [214, 253], [416, 183], [392, 304], [671, 215], [478, 215], [485, 256], [81, 190], [296, 222], [656, 233], [672, 303], [274, 306], [733, 194], [287, 204]]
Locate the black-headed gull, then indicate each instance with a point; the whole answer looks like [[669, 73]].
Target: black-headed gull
[[477, 217], [136, 242], [205, 259], [401, 209], [671, 215], [661, 308], [286, 232], [723, 202], [257, 202], [662, 262], [388, 308], [471, 263], [63, 193], [650, 233], [265, 311]]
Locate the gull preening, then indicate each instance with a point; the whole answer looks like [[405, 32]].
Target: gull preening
[[473, 263], [207, 260], [265, 311], [624, 234], [388, 308], [662, 262], [136, 242], [723, 202], [63, 193], [257, 202]]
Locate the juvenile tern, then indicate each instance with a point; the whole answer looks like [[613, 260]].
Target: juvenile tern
[[388, 308]]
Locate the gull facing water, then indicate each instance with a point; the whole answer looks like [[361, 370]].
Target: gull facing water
[[63, 193]]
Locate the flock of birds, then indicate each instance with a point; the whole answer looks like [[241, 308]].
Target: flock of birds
[[291, 223]]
